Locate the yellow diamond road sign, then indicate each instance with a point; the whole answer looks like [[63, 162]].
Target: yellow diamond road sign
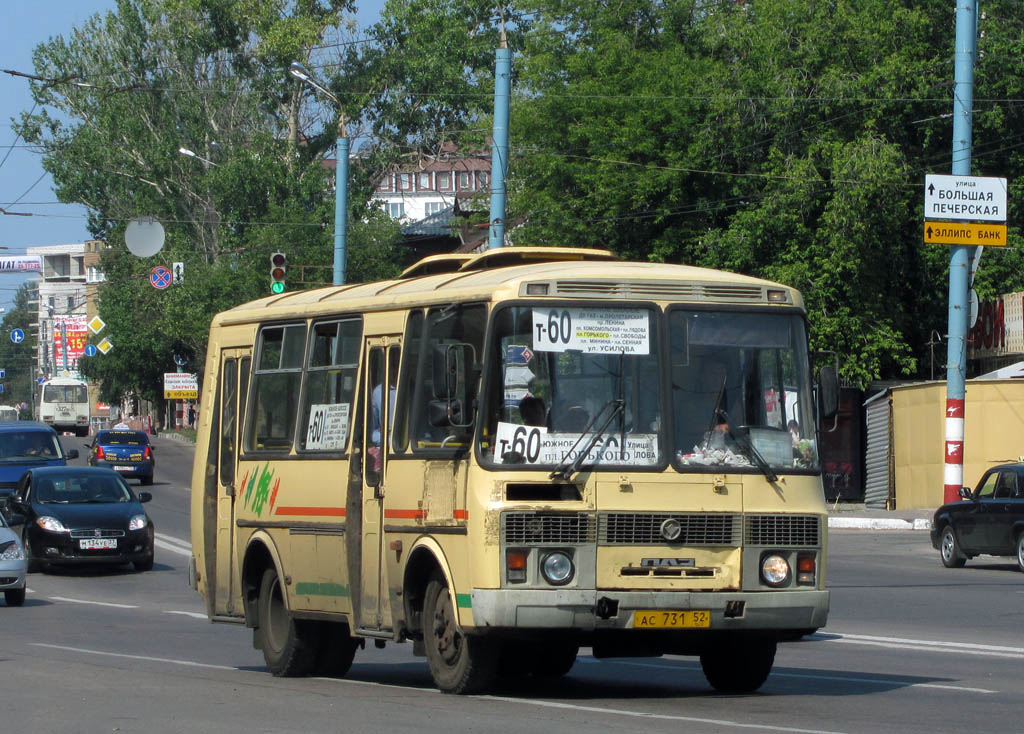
[[105, 345], [96, 324]]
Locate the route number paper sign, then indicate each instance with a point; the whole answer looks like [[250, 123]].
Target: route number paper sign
[[591, 330], [328, 427]]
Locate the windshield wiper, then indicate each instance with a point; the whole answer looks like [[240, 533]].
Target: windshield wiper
[[748, 448], [565, 470]]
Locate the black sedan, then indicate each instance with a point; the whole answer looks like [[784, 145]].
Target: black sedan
[[76, 514], [987, 521], [127, 452]]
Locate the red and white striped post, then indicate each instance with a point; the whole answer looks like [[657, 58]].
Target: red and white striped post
[[953, 474]]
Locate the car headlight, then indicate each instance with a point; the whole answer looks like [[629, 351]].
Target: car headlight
[[52, 524], [775, 570], [138, 522], [11, 551], [557, 568]]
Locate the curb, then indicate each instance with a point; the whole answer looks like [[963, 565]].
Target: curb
[[878, 523]]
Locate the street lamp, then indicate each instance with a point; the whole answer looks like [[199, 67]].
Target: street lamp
[[192, 154], [298, 71]]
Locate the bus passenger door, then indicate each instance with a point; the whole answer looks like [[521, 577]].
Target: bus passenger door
[[234, 382], [382, 355]]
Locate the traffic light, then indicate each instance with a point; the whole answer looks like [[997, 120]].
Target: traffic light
[[278, 266]]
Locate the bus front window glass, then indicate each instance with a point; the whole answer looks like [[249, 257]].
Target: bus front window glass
[[740, 380], [563, 379], [330, 385], [276, 385]]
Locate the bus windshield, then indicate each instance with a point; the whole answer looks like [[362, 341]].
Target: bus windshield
[[741, 392], [575, 385], [583, 387]]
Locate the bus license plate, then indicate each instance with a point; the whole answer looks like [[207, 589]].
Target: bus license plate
[[671, 619], [97, 543]]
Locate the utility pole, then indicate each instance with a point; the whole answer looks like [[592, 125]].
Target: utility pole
[[499, 146], [960, 255]]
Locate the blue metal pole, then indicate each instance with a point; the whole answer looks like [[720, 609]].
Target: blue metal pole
[[499, 148], [340, 204], [960, 256]]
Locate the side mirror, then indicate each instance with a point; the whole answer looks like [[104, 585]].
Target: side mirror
[[15, 518], [17, 499], [445, 367], [444, 413], [72, 454], [966, 493], [828, 391], [145, 496]]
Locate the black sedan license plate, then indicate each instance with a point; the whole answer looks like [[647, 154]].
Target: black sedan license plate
[[671, 619], [97, 543]]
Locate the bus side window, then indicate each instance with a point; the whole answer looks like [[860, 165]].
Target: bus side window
[[326, 414], [277, 380]]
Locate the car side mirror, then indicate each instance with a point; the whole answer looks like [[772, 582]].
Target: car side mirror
[[965, 493], [72, 454], [17, 498], [145, 496], [15, 518]]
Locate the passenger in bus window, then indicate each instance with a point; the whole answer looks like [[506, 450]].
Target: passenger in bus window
[[532, 411], [378, 396]]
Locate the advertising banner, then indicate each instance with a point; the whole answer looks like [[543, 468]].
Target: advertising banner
[[70, 334]]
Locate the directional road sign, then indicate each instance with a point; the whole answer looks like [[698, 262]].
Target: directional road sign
[[160, 278], [179, 273], [90, 350], [964, 233], [3, 373], [17, 336], [965, 198]]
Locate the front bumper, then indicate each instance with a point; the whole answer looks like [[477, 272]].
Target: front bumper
[[579, 609], [12, 575], [61, 548]]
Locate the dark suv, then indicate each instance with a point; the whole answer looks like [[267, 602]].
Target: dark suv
[[25, 445]]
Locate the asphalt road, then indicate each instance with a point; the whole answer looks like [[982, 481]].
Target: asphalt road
[[910, 647]]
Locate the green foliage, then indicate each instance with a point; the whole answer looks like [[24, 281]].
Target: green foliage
[[18, 359]]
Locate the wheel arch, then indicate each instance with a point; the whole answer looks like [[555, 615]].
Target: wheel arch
[[261, 553], [425, 559]]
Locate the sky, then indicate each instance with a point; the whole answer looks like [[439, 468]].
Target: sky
[[24, 186]]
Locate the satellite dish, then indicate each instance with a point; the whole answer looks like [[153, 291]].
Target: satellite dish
[[144, 237], [972, 318]]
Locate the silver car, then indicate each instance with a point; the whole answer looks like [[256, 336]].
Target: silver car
[[12, 565]]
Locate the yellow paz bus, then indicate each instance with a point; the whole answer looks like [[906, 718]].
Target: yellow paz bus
[[504, 457]]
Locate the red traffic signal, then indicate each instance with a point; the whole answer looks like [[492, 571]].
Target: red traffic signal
[[278, 266]]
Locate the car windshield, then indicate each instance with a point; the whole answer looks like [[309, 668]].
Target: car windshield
[[80, 489], [21, 446], [122, 438]]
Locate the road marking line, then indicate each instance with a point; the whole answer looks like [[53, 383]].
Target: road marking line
[[175, 541], [197, 615], [134, 657], [164, 545], [812, 676], [967, 648], [96, 603], [508, 699], [662, 717]]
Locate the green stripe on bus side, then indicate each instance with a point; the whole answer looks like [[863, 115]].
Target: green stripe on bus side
[[464, 600], [313, 588]]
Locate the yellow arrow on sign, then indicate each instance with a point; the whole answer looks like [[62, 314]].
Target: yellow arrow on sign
[[964, 233]]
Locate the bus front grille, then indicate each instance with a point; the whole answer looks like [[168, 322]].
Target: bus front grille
[[784, 530], [663, 528], [547, 528]]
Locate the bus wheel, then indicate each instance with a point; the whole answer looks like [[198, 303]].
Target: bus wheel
[[337, 650], [458, 663], [287, 644], [554, 660], [739, 664]]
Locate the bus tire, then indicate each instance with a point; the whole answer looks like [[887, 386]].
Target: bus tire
[[288, 644], [337, 650], [458, 663], [739, 664]]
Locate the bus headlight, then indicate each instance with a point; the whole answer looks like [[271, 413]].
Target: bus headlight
[[775, 570], [557, 568]]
